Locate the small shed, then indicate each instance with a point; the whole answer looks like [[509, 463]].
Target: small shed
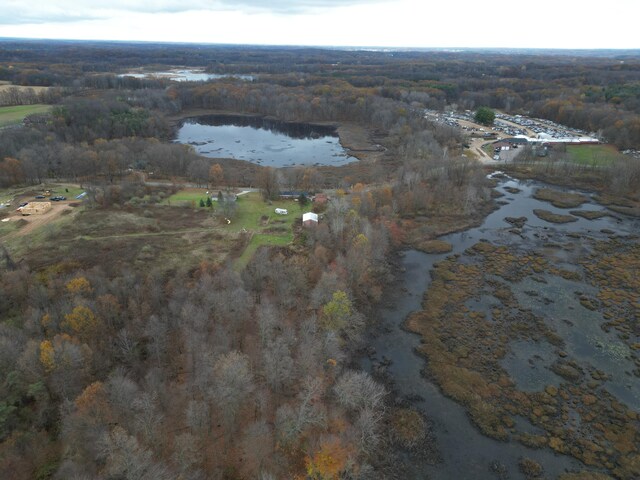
[[309, 219], [35, 208]]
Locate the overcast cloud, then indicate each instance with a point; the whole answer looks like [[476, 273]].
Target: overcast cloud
[[20, 12], [392, 23]]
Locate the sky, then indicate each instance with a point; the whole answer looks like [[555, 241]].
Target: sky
[[359, 23]]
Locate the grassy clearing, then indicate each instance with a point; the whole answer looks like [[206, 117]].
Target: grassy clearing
[[7, 227], [68, 190], [39, 237], [595, 155], [256, 242], [8, 195], [254, 214], [157, 237], [15, 115], [187, 197]]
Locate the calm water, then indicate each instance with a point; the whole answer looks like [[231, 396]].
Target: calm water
[[187, 75], [466, 453], [263, 141]]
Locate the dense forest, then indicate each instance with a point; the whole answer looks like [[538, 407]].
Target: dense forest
[[151, 357]]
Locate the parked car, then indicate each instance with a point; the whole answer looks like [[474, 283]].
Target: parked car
[[23, 204], [58, 198], [39, 197]]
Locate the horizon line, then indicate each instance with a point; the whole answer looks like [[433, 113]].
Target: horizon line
[[452, 49]]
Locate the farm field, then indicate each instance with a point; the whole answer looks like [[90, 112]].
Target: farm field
[[15, 115]]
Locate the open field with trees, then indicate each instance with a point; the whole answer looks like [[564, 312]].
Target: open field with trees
[[149, 331]]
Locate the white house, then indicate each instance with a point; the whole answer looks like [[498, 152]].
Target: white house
[[309, 219]]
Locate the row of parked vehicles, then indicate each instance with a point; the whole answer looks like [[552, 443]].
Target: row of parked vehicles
[[57, 198]]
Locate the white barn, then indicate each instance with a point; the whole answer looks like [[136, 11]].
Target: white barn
[[309, 219]]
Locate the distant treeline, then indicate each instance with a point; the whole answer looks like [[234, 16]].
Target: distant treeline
[[590, 92]]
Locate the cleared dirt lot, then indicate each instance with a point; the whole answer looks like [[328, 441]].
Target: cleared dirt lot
[[36, 221]]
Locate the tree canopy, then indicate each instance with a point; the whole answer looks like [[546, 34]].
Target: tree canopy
[[485, 116]]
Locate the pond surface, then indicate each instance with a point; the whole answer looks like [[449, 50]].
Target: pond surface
[[186, 75], [264, 141], [466, 453]]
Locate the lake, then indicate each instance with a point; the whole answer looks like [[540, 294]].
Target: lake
[[187, 75], [264, 141]]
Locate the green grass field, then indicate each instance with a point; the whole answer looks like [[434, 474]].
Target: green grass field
[[66, 190], [15, 115], [256, 216], [252, 215], [595, 155], [7, 227], [251, 209], [187, 197]]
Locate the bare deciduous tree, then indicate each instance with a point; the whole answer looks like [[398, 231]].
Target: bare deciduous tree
[[186, 453], [291, 422], [198, 416], [233, 384], [279, 368], [147, 415], [357, 391], [257, 445], [125, 458]]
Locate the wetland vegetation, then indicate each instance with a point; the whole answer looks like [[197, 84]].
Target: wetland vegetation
[[522, 330]]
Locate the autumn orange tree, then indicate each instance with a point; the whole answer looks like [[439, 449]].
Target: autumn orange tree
[[78, 285], [82, 321], [329, 461], [216, 175]]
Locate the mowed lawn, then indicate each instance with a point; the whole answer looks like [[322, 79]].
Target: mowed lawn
[[592, 154], [15, 115], [252, 215], [187, 197]]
